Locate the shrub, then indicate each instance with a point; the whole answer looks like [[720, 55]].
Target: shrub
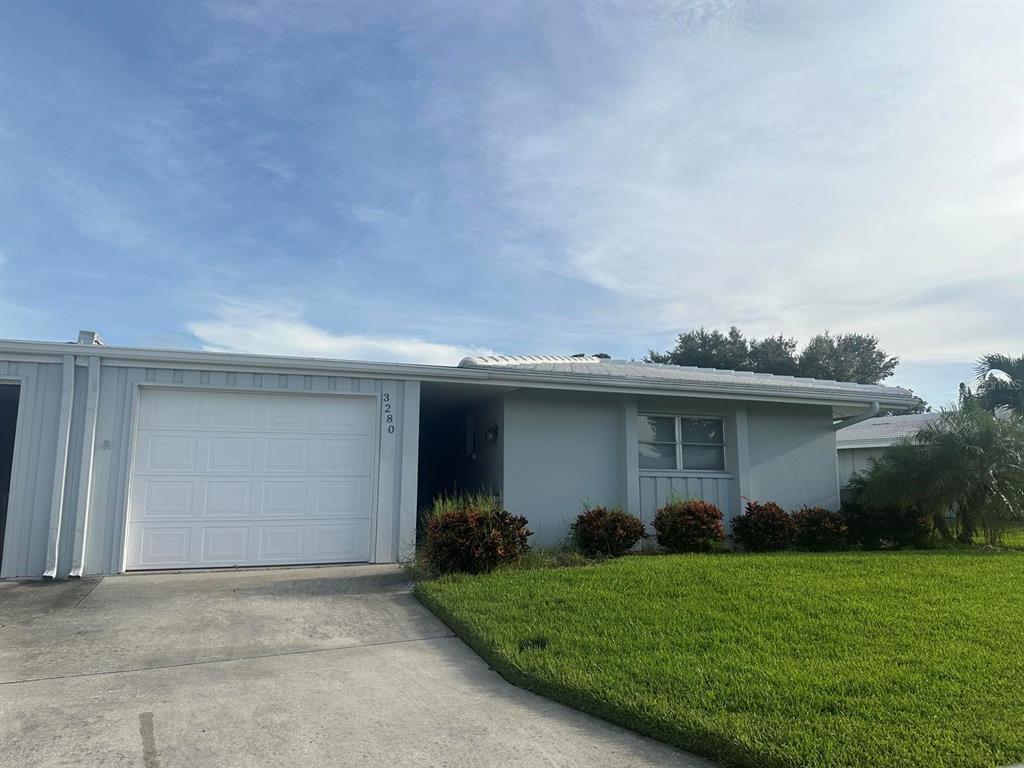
[[818, 529], [865, 527], [874, 527], [606, 531], [473, 534], [688, 526], [763, 527]]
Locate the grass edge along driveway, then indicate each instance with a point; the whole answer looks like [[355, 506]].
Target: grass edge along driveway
[[880, 659]]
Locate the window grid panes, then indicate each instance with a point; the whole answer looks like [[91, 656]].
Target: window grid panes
[[681, 443]]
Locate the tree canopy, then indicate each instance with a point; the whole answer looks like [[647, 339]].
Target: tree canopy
[[846, 357], [1001, 383]]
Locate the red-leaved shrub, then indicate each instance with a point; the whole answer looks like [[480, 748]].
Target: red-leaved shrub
[[604, 531], [688, 526], [763, 527], [819, 530], [473, 534]]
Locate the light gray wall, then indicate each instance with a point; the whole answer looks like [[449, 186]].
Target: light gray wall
[[853, 460], [36, 460], [792, 452], [35, 454], [561, 450]]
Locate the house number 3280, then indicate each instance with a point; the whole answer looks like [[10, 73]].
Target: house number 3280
[[388, 413]]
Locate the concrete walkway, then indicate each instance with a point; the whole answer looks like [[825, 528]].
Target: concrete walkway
[[307, 667]]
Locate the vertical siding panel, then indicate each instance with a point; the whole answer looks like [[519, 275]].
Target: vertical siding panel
[[25, 474], [38, 533]]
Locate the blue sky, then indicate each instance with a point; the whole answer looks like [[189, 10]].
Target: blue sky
[[418, 181]]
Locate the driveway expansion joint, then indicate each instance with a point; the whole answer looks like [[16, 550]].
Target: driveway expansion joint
[[205, 662]]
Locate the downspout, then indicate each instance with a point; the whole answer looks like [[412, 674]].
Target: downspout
[[60, 466], [871, 413], [86, 473]]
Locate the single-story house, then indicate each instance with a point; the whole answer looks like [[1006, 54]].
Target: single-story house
[[859, 444], [124, 459]]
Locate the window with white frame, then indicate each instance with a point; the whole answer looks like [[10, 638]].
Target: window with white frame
[[681, 443]]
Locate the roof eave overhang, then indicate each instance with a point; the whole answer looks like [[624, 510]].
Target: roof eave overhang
[[34, 351], [875, 443]]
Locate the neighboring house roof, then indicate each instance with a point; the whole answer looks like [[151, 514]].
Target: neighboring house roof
[[685, 376], [882, 431], [571, 373]]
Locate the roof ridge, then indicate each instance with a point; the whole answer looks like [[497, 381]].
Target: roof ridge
[[476, 360], [498, 360]]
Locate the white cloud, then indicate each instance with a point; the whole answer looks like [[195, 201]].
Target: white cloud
[[860, 169], [260, 329]]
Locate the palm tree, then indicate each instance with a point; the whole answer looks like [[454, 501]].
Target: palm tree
[[1001, 382], [968, 460]]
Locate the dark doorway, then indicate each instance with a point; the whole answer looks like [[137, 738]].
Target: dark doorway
[[461, 440], [9, 394]]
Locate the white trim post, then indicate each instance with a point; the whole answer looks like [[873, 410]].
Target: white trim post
[[410, 469], [86, 471], [630, 412], [60, 465]]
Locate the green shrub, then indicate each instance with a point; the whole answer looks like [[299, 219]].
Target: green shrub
[[473, 534], [605, 531], [865, 527], [819, 530], [877, 527], [763, 527], [689, 526]]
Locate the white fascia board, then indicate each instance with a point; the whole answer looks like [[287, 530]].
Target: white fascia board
[[847, 445], [232, 361]]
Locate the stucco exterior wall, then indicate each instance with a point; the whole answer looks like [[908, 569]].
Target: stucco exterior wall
[[792, 452], [561, 450]]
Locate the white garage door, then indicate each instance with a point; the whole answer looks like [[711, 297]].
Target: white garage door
[[232, 478]]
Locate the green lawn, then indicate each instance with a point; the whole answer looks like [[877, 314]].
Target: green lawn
[[881, 659]]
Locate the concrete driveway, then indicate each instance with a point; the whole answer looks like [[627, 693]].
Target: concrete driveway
[[336, 666]]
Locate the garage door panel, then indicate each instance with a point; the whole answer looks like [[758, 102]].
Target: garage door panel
[[285, 497], [228, 544], [226, 412], [282, 542], [163, 499], [224, 478], [170, 453], [165, 546], [229, 498], [286, 454], [231, 454], [343, 498], [175, 409], [356, 417], [335, 541], [345, 455]]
